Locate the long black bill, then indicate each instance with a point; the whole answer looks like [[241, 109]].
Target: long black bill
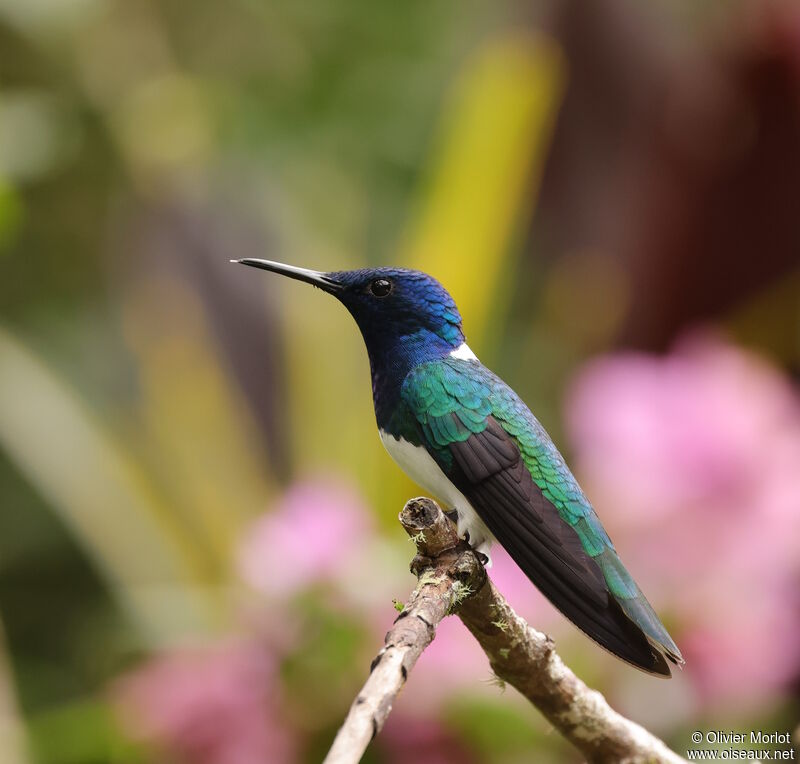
[[315, 278]]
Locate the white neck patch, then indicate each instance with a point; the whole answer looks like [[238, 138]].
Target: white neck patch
[[464, 353]]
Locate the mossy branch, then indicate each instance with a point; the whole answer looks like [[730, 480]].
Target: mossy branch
[[451, 579]]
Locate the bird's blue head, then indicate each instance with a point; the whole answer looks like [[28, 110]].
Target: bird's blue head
[[401, 307], [406, 317]]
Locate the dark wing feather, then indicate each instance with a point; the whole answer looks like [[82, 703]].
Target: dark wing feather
[[488, 469]]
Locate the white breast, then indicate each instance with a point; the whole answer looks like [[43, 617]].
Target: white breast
[[419, 465]]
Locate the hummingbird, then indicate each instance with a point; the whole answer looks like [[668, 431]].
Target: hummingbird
[[464, 435]]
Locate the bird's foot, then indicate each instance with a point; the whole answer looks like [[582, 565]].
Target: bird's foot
[[483, 558]]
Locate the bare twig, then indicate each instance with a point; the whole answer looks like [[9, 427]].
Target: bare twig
[[452, 579], [447, 571]]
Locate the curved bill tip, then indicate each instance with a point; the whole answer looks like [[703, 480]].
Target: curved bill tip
[[316, 278]]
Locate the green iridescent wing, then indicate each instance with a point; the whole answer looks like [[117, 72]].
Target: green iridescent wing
[[499, 456]]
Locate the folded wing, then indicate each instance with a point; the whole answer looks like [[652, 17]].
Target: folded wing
[[498, 455]]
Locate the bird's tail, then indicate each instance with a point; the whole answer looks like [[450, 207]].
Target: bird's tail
[[636, 607]]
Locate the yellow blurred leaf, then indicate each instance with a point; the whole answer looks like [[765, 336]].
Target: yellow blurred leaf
[[13, 746], [193, 426], [496, 133], [103, 498]]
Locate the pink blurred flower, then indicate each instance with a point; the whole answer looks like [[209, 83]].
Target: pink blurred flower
[[215, 705], [521, 594], [421, 739], [451, 663], [693, 462], [308, 536]]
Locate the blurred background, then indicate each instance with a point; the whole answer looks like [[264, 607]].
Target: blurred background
[[198, 538]]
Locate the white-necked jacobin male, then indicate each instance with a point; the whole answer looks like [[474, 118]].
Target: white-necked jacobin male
[[464, 435]]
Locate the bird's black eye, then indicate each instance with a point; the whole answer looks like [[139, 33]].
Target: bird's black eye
[[380, 287]]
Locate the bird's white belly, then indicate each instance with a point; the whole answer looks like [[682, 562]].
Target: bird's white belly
[[419, 465]]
